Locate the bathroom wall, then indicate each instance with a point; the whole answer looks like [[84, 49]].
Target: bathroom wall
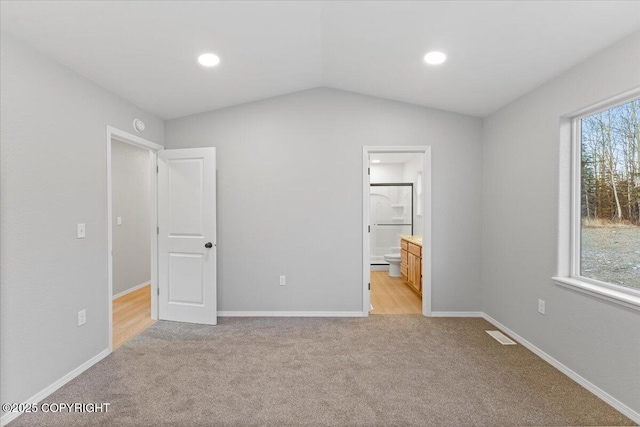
[[410, 174], [386, 172]]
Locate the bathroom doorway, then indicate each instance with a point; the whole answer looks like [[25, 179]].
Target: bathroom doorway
[[396, 209]]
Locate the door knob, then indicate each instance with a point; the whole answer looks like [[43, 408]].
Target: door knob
[[208, 245]]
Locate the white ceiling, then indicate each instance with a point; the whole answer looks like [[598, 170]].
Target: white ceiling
[[146, 51]]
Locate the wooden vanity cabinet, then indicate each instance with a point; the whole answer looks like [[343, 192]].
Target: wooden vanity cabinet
[[411, 265], [404, 259]]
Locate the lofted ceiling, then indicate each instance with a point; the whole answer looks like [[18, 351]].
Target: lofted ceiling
[[145, 51]]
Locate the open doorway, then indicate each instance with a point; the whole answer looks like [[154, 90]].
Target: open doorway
[[132, 237], [397, 218]]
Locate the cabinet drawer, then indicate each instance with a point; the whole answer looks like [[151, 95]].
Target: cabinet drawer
[[403, 244], [415, 249]]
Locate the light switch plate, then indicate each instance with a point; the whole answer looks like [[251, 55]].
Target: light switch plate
[[81, 231], [119, 220]]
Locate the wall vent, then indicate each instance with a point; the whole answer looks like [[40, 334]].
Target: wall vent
[[501, 338]]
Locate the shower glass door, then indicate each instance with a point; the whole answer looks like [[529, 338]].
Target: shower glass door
[[391, 216]]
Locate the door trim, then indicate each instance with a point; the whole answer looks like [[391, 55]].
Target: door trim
[[122, 136], [426, 226]]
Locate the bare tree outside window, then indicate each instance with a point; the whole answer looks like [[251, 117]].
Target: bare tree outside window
[[610, 195]]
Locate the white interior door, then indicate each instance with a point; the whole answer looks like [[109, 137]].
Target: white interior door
[[187, 235]]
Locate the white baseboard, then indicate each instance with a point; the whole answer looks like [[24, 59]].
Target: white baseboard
[[8, 417], [457, 314], [290, 314], [135, 288], [621, 407]]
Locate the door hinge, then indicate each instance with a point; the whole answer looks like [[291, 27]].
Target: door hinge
[[158, 291], [369, 286], [157, 230], [369, 227], [368, 171], [157, 169]]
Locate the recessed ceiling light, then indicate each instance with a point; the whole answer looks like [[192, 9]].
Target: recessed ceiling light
[[209, 59], [375, 161], [435, 58]]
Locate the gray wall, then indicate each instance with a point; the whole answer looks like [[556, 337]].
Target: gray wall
[[290, 197], [131, 190], [596, 339], [53, 176]]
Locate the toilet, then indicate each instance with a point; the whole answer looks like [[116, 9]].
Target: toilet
[[394, 264]]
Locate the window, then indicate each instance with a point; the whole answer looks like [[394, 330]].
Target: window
[[605, 223]]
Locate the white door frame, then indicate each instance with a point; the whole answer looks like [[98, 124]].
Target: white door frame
[[122, 136], [426, 226]]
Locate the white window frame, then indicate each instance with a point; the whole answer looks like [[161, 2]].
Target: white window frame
[[569, 263]]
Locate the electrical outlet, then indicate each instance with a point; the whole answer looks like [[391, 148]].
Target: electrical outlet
[[119, 220], [283, 280], [81, 231], [82, 317], [541, 309]]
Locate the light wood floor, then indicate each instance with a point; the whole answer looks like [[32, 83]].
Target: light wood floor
[[131, 315], [390, 295]]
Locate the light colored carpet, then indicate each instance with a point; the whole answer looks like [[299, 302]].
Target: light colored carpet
[[398, 370]]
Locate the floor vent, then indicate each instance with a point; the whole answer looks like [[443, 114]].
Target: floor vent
[[501, 338]]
